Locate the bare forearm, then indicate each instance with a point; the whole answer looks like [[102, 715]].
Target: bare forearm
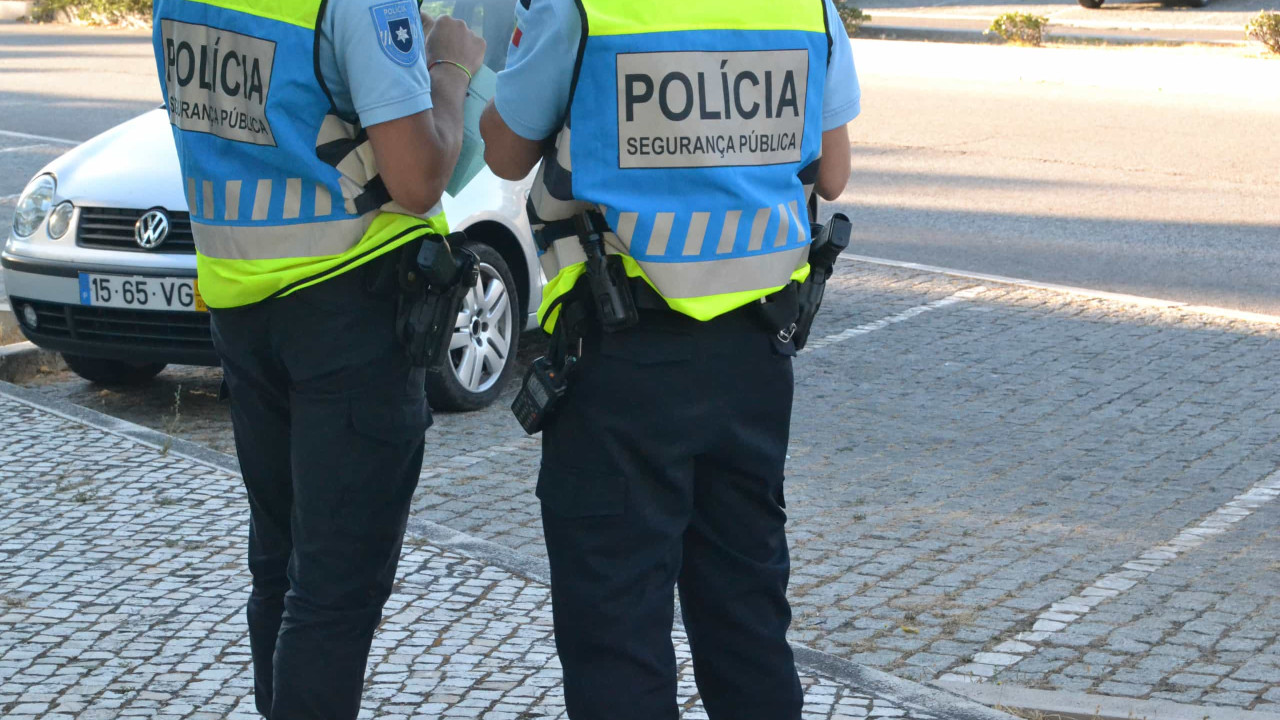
[[836, 164], [448, 93], [417, 154]]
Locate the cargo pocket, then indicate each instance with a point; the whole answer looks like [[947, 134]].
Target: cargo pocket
[[380, 465], [394, 422], [570, 493]]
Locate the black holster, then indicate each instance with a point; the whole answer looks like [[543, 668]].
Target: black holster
[[828, 242], [434, 277], [614, 303]]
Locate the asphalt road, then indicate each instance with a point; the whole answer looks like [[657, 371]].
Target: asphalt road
[[64, 84], [1147, 170]]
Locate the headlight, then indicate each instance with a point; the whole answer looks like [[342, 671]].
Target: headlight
[[34, 205], [60, 219]]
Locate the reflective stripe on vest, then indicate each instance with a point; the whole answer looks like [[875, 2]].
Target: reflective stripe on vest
[[287, 275], [695, 128], [282, 194]]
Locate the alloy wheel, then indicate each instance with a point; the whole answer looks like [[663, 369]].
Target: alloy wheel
[[482, 335]]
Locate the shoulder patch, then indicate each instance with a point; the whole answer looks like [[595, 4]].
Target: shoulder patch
[[394, 23]]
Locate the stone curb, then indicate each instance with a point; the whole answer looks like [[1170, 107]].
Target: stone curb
[[877, 31], [145, 436], [971, 31], [23, 360], [1081, 706], [938, 701], [9, 330]]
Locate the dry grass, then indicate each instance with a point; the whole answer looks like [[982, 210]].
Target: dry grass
[[1033, 714], [958, 621], [1028, 714]]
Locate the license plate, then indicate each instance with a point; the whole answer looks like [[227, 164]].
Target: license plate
[[141, 293]]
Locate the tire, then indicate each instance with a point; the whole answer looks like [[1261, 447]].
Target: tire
[[1091, 4], [478, 366], [111, 372]]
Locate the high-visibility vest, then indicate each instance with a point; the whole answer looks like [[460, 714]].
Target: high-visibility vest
[[695, 128], [283, 193]]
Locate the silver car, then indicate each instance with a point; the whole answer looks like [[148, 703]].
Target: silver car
[[100, 263]]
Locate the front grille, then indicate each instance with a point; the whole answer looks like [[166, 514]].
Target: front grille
[[116, 326], [112, 229]]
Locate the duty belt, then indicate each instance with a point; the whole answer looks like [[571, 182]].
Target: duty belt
[[776, 313]]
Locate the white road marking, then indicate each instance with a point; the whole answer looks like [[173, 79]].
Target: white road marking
[[41, 138], [23, 148], [1221, 312], [1061, 614], [966, 294], [7, 198]]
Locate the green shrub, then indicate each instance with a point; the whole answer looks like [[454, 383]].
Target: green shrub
[[1019, 28], [853, 17], [103, 11], [1265, 29]]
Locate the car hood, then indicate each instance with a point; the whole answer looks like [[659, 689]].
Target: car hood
[[132, 165], [135, 165]]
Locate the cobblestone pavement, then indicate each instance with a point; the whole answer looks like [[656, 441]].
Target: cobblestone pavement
[[122, 584], [1047, 489]]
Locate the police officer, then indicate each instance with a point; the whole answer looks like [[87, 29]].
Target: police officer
[[315, 140], [693, 135]]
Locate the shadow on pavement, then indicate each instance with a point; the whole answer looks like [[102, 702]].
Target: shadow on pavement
[[927, 181], [1119, 255], [74, 36], [69, 116]]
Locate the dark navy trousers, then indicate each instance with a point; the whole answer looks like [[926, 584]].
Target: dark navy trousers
[[329, 423], [664, 470]]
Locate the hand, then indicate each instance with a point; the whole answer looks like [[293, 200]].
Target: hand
[[452, 40]]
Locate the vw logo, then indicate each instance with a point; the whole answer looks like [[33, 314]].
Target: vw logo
[[151, 229]]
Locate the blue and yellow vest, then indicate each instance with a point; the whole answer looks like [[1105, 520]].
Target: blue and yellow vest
[[282, 192], [696, 129]]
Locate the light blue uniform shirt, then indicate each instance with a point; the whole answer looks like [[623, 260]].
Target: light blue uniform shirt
[[363, 78], [533, 92]]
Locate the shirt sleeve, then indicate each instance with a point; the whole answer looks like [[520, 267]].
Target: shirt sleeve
[[532, 95], [842, 99], [381, 58]]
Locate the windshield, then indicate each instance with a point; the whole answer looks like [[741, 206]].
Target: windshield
[[494, 20]]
